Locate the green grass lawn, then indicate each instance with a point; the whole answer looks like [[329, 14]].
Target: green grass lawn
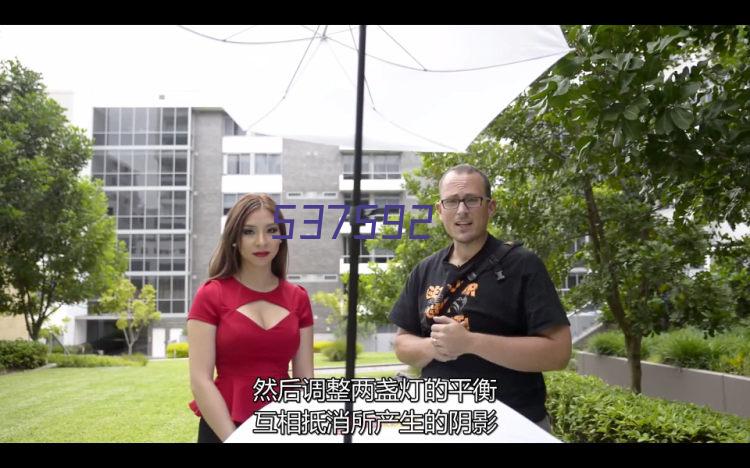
[[364, 359], [104, 404]]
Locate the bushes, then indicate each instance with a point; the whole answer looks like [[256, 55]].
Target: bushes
[[732, 352], [319, 346], [177, 350], [686, 348], [727, 352], [93, 360], [337, 351], [84, 348], [612, 343], [21, 354], [585, 409], [139, 358]]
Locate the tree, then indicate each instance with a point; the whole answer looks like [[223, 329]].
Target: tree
[[57, 243], [615, 132], [52, 333], [136, 312], [380, 289], [336, 302]]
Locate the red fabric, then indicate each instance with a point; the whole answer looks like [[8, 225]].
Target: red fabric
[[244, 350]]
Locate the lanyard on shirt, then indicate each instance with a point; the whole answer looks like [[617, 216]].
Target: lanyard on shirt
[[452, 305]]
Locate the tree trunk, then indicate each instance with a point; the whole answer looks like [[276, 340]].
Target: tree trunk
[[633, 350], [36, 328], [602, 256]]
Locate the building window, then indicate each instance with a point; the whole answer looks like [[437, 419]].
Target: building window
[[140, 168], [578, 244], [141, 126], [267, 163], [365, 256], [374, 166], [148, 209], [572, 280], [238, 164], [229, 199], [171, 293], [252, 164]]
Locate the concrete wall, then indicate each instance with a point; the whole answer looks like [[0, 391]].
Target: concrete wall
[[206, 195], [13, 328], [721, 392]]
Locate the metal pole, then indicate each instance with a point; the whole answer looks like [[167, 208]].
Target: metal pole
[[351, 322]]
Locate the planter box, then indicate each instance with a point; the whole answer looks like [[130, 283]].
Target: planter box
[[722, 392]]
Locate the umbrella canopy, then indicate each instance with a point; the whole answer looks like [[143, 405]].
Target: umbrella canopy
[[427, 88]]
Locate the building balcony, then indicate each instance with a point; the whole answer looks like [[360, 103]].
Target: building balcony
[[373, 182]]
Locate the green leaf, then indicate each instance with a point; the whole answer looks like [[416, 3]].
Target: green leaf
[[541, 94], [622, 60], [632, 129], [627, 78], [562, 87], [611, 113], [631, 112], [682, 118], [603, 55], [636, 64], [689, 89], [663, 125], [583, 143], [569, 65], [641, 102]]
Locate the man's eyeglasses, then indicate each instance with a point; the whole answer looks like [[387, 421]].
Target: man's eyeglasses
[[470, 202]]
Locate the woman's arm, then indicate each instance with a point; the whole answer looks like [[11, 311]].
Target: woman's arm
[[302, 363], [202, 344]]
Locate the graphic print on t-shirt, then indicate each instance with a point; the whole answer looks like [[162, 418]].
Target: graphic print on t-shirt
[[437, 301]]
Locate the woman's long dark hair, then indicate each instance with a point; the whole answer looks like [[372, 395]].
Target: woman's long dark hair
[[226, 259]]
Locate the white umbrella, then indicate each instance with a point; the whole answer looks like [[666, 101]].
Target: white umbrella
[[428, 88]]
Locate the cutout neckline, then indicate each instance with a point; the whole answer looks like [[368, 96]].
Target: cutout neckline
[[258, 325]]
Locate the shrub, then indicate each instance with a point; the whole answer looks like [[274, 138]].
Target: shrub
[[731, 353], [728, 352], [611, 343], [177, 350], [585, 409], [686, 348], [138, 358], [84, 348], [92, 360], [22, 354], [337, 351], [319, 346]]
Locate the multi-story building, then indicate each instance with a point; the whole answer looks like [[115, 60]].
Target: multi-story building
[[172, 173]]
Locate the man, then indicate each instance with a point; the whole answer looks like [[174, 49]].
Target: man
[[503, 322]]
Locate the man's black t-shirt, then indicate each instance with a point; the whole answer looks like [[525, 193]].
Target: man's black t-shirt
[[523, 303]]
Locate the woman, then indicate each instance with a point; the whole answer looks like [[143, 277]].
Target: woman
[[246, 320]]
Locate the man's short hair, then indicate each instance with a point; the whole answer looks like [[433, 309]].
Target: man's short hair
[[468, 169]]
